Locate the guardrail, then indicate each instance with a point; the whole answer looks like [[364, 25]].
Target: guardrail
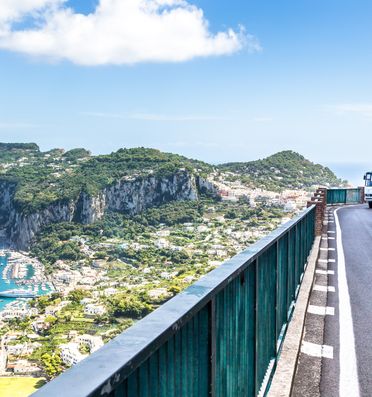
[[345, 196], [220, 337]]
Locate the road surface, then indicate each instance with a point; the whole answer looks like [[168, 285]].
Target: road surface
[[336, 352]]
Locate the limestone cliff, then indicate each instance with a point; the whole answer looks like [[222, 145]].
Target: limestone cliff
[[130, 196]]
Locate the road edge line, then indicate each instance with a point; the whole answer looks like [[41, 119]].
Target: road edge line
[[348, 375]]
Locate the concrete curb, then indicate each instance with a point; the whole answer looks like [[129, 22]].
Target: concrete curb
[[281, 385]]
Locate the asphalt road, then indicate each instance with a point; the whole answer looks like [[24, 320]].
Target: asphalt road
[[356, 227], [336, 352]]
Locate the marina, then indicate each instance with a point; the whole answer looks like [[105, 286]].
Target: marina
[[21, 278]]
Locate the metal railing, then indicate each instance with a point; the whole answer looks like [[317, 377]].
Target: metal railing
[[220, 337], [345, 196]]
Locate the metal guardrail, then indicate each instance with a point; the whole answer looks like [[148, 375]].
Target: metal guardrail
[[344, 196], [220, 337]]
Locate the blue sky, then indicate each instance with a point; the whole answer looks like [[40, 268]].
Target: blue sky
[[298, 77]]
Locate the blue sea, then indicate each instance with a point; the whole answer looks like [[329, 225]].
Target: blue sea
[[10, 283]]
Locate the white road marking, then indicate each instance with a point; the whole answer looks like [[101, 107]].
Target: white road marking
[[324, 288], [321, 310], [323, 260], [319, 271], [266, 378], [315, 350], [331, 260], [349, 383], [327, 249], [331, 232]]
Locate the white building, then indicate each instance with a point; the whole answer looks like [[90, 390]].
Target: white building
[[3, 360], [93, 342], [25, 367], [51, 310], [290, 206], [162, 243], [19, 349], [165, 275], [163, 233], [110, 291], [9, 314], [94, 310], [70, 353]]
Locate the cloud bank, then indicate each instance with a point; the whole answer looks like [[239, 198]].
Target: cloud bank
[[117, 32]]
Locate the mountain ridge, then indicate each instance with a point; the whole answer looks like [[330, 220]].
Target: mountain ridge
[[39, 188], [285, 169]]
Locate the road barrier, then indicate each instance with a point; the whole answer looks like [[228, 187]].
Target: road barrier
[[345, 196], [220, 337]]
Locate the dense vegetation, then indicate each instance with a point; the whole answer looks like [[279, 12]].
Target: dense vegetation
[[18, 147], [44, 178], [283, 170], [10, 152], [56, 241], [172, 213]]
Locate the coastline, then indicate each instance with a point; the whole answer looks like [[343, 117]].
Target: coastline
[[20, 272]]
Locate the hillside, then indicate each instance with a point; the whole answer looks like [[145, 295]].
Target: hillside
[[39, 188], [283, 170], [42, 178]]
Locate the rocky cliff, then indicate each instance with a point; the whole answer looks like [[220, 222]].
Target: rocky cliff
[[130, 196]]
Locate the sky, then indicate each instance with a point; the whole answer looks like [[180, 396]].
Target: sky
[[219, 81]]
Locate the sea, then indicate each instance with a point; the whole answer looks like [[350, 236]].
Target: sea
[[10, 283]]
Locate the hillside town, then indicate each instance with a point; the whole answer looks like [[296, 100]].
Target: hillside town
[[82, 279], [84, 303]]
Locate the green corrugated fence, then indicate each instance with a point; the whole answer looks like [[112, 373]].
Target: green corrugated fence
[[344, 196], [219, 338]]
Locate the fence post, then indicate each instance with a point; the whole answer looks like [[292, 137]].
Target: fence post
[[320, 201], [361, 194]]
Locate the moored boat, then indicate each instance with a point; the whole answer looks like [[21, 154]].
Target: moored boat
[[17, 293]]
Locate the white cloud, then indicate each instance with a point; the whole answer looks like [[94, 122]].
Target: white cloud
[[13, 10], [363, 109], [117, 32]]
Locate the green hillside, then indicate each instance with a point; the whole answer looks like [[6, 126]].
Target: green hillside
[[283, 170], [42, 178]]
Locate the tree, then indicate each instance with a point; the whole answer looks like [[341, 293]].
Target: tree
[[129, 306], [77, 295], [52, 363]]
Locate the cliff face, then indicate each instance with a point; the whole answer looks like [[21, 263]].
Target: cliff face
[[23, 227], [7, 191], [128, 196], [133, 197]]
